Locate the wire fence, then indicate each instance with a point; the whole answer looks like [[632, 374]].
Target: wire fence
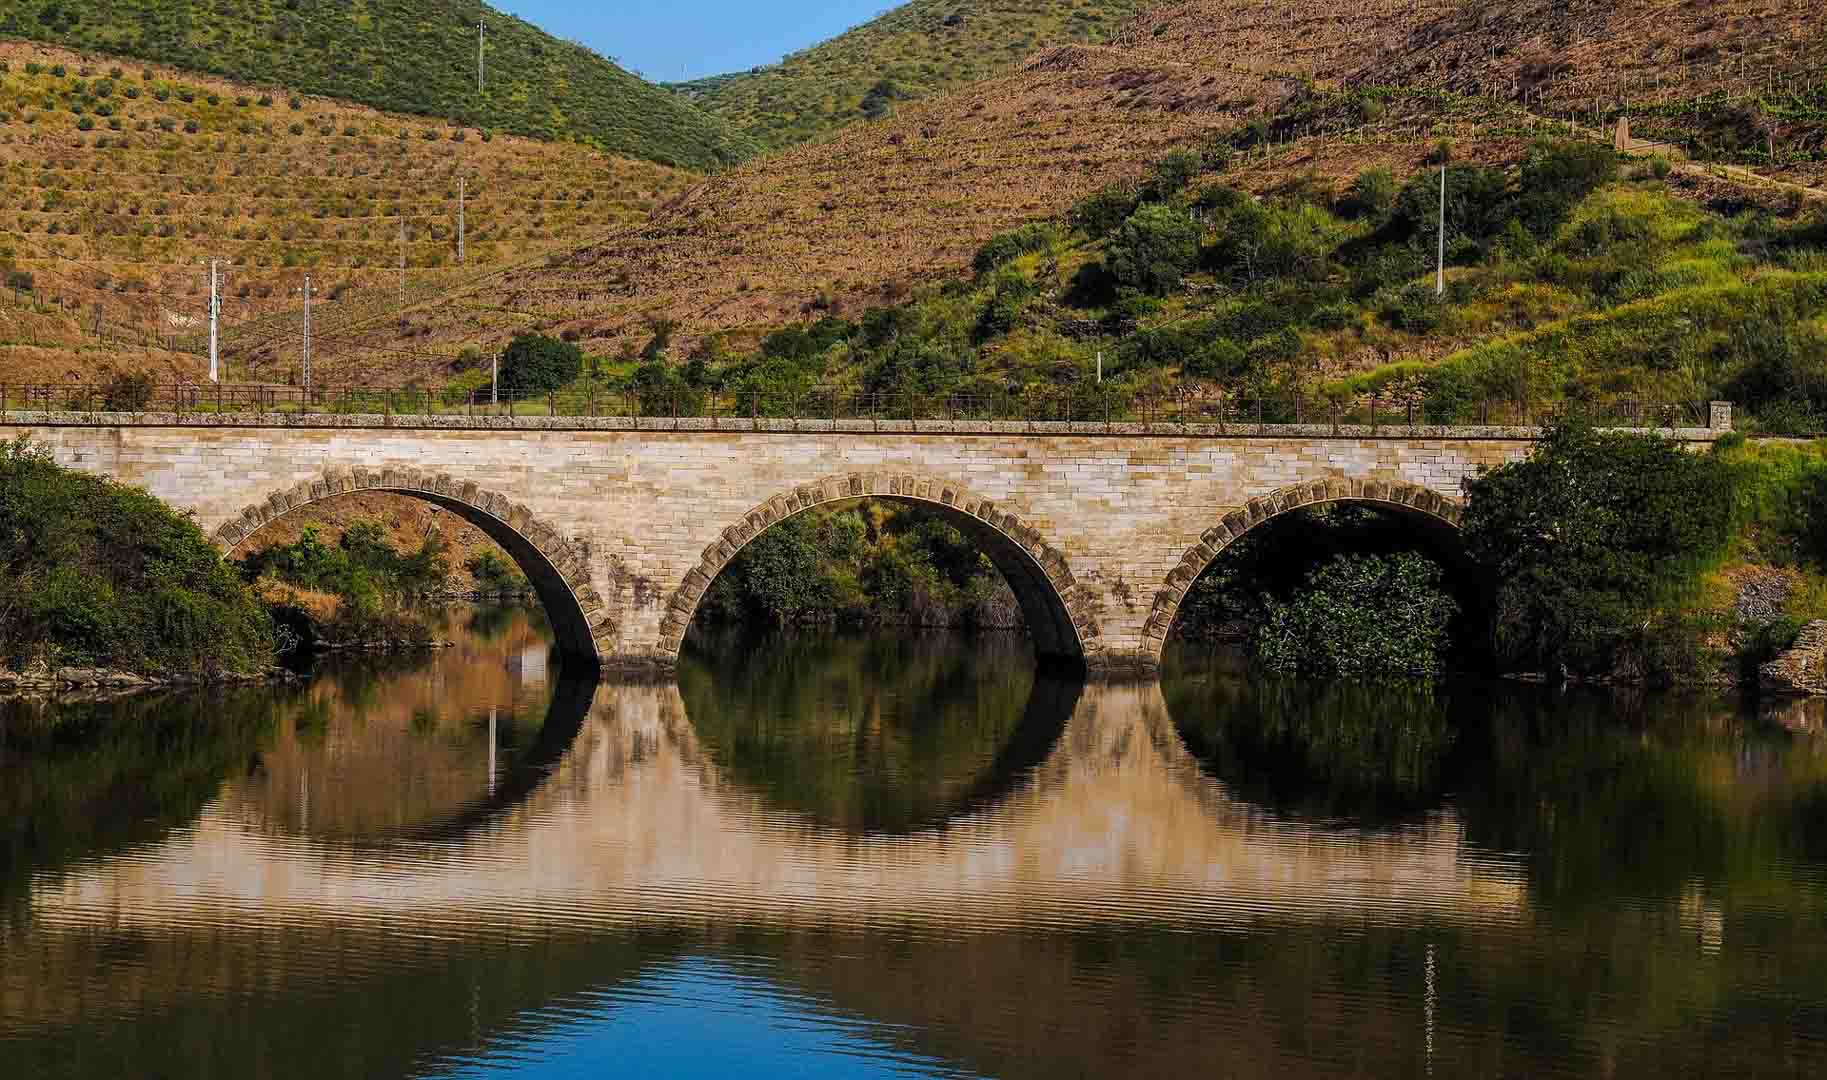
[[1029, 403]]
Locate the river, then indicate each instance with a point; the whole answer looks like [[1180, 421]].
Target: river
[[903, 855]]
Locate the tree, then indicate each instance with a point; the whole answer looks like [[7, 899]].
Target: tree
[[1580, 540], [539, 363], [1154, 249]]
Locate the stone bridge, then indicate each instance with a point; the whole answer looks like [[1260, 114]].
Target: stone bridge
[[621, 524]]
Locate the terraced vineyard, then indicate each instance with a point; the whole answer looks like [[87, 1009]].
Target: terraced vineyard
[[118, 182]]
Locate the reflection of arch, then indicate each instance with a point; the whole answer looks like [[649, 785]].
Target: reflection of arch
[[1436, 511], [571, 701], [1018, 751], [557, 571], [1059, 613]]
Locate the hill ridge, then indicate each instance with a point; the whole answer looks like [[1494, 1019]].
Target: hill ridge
[[914, 50], [416, 57]]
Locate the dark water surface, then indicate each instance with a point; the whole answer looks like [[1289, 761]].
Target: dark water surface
[[904, 856]]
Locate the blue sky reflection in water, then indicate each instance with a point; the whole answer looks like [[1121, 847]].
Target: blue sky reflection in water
[[700, 1017]]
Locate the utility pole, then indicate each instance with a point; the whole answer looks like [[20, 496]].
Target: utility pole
[[478, 56], [215, 314], [402, 248], [1440, 274], [305, 355], [494, 381], [460, 181]]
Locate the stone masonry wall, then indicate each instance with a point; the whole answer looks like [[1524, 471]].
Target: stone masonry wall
[[647, 515]]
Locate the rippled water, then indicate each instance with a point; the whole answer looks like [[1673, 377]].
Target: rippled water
[[904, 856]]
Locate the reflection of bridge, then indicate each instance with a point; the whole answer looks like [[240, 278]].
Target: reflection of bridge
[[637, 829], [622, 525]]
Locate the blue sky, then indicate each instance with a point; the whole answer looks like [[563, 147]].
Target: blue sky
[[667, 40]]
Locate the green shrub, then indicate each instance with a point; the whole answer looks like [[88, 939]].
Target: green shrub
[[1372, 195], [1415, 309], [127, 392], [1257, 242], [494, 575], [101, 574], [1154, 250], [535, 362], [1361, 614], [1103, 212], [1581, 539], [1009, 246], [1478, 206], [1011, 292], [1221, 360], [1558, 176], [1170, 176]]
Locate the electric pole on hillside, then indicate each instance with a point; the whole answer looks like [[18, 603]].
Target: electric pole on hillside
[[460, 182], [402, 250], [305, 353], [478, 56], [215, 315], [1440, 272]]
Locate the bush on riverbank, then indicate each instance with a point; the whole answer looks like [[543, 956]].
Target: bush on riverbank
[[94, 573], [1361, 614], [1331, 589], [1587, 543], [871, 563], [356, 589]]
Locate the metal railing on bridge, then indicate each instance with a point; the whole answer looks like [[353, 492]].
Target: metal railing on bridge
[[1185, 405]]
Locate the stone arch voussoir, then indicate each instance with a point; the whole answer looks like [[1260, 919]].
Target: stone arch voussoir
[[558, 569], [1375, 491], [1071, 624]]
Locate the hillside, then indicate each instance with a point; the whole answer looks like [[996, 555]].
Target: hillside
[[916, 50], [118, 182], [406, 56], [879, 207], [1306, 97]]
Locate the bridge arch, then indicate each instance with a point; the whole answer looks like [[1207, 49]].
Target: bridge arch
[[1432, 510], [555, 567], [1061, 615]]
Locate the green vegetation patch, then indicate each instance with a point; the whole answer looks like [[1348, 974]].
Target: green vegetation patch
[[96, 573], [869, 563]]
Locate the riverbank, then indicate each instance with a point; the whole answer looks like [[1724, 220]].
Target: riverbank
[[43, 680]]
